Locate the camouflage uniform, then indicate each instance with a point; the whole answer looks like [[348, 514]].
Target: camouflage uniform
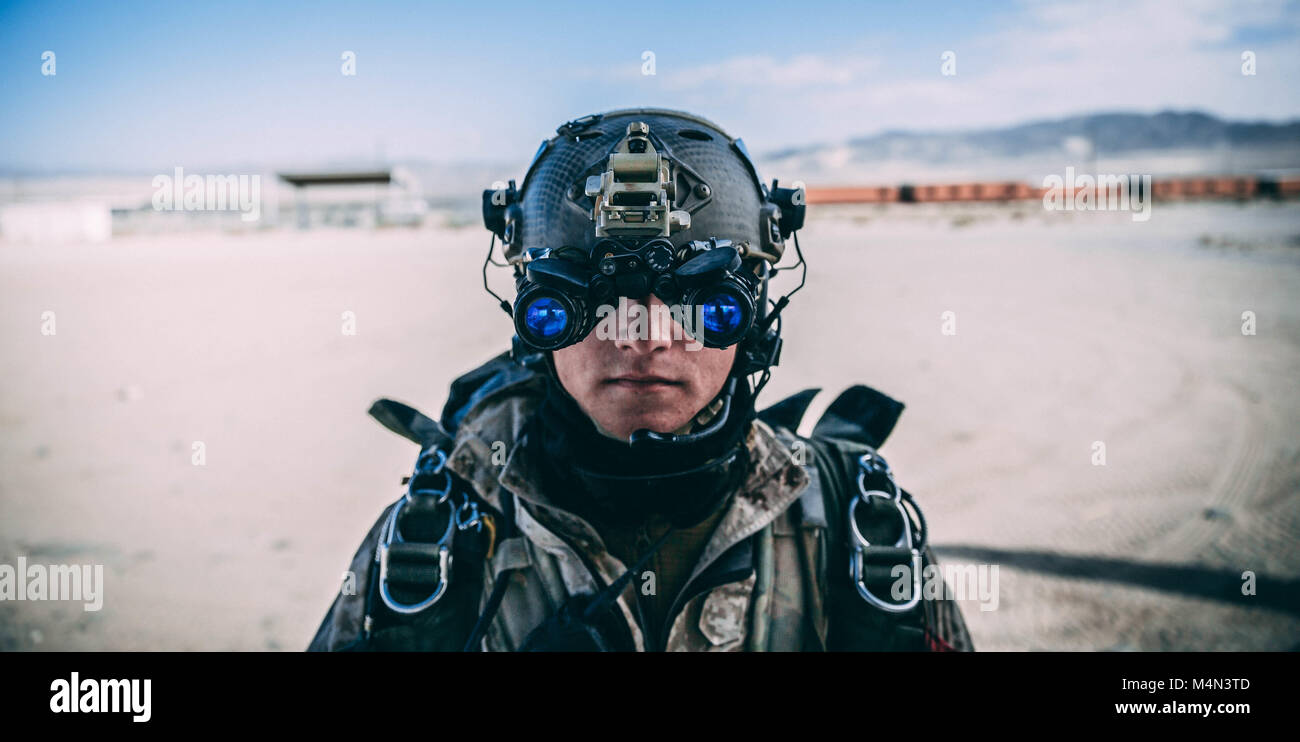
[[772, 576]]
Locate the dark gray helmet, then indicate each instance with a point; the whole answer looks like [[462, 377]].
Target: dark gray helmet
[[713, 180], [641, 201]]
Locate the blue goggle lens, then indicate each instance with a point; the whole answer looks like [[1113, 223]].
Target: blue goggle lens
[[546, 318], [721, 313]]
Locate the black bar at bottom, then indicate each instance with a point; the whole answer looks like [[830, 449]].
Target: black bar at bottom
[[1013, 692]]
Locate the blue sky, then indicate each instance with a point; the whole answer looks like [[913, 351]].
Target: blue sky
[[146, 86]]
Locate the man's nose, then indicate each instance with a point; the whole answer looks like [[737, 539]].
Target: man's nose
[[648, 327]]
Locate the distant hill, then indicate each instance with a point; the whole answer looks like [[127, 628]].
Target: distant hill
[[1169, 142]]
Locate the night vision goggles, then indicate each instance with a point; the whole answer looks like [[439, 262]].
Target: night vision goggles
[[560, 290]]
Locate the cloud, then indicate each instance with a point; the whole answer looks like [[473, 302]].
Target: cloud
[[1047, 60]]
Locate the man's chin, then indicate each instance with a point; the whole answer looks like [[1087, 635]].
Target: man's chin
[[627, 410]]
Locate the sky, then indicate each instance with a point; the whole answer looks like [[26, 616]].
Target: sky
[[141, 86]]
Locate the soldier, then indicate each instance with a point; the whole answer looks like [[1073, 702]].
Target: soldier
[[608, 484]]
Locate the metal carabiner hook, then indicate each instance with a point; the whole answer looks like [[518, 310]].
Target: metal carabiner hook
[[473, 520], [423, 470], [422, 464], [875, 464], [389, 535]]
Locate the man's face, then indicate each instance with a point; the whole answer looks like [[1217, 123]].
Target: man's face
[[625, 384]]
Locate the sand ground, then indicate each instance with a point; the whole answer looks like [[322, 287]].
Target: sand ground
[[1070, 329]]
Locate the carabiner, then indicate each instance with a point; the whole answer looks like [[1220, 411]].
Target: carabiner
[[391, 535], [874, 464], [444, 559], [472, 520], [422, 465], [423, 470]]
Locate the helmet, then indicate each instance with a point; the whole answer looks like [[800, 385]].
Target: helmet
[[637, 202]]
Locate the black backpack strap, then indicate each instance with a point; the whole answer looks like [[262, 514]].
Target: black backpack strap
[[790, 411], [411, 424], [860, 414]]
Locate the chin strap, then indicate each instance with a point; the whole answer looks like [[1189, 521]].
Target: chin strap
[[645, 438]]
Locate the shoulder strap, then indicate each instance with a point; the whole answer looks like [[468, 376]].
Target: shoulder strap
[[860, 414], [411, 424]]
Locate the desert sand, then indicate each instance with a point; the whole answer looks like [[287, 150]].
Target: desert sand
[[1071, 329]]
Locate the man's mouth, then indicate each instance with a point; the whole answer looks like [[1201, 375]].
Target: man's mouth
[[642, 382]]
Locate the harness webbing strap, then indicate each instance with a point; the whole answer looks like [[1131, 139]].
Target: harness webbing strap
[[812, 503], [811, 540], [812, 551], [761, 619]]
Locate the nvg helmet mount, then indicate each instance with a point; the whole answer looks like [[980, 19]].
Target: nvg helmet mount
[[638, 202]]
